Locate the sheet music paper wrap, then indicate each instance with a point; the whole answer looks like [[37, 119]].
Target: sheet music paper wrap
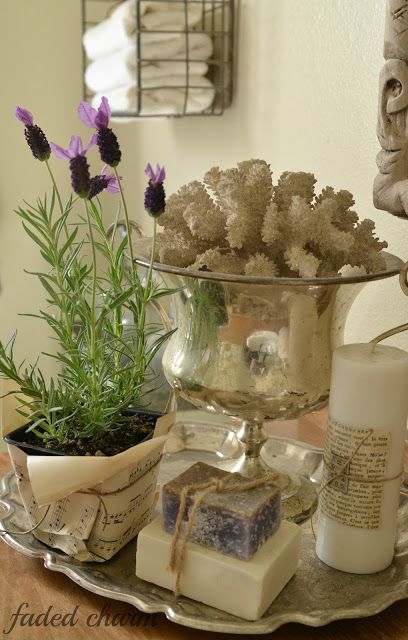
[[95, 505]]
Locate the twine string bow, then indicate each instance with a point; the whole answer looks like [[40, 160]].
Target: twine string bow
[[341, 473], [203, 490], [93, 492]]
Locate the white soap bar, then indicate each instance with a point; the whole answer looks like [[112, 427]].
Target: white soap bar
[[244, 588]]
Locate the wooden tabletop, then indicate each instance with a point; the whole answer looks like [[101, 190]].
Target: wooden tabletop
[[25, 583]]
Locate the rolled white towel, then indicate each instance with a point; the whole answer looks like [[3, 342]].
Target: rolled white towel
[[116, 71], [173, 19], [119, 30], [163, 101]]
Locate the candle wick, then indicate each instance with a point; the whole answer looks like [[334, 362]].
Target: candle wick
[[373, 345]]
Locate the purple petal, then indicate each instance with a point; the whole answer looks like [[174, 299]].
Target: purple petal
[[112, 186], [160, 173], [156, 177], [149, 171], [103, 115], [87, 114], [26, 117], [59, 151], [92, 142], [75, 147]]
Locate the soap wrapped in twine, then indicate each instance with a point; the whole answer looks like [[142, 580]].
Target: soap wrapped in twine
[[180, 536]]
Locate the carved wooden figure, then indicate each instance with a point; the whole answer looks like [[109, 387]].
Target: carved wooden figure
[[391, 184]]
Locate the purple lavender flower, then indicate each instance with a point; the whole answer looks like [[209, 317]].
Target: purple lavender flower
[[35, 136], [155, 197], [25, 116], [106, 140], [103, 182], [76, 154]]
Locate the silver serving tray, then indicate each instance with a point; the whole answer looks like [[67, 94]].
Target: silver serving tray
[[315, 596]]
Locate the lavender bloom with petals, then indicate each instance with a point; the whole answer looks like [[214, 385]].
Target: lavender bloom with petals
[[35, 136], [25, 116], [154, 196], [76, 154], [75, 148], [103, 182], [99, 119]]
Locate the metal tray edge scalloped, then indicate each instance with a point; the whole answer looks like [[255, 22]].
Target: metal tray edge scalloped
[[174, 611]]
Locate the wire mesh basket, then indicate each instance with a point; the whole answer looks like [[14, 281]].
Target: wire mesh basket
[[155, 58]]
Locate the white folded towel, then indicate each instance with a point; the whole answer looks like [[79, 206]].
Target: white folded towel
[[119, 30], [118, 69], [173, 19], [163, 101]]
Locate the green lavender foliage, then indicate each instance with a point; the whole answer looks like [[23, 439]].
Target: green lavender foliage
[[103, 370]]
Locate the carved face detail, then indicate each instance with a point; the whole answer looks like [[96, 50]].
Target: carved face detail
[[399, 16], [394, 88], [392, 122]]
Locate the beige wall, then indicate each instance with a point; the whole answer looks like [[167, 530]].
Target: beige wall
[[40, 70], [306, 100]]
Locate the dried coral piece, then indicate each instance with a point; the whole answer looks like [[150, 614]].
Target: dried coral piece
[[257, 193], [219, 261], [260, 265], [243, 194], [172, 219], [203, 218], [366, 251], [229, 193], [236, 221], [294, 184], [271, 225], [301, 262], [329, 238], [173, 248]]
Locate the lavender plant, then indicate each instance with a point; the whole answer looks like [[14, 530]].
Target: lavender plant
[[103, 369]]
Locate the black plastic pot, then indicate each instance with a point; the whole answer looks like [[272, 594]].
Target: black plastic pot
[[17, 437]]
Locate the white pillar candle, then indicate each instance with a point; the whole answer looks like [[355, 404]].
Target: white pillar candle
[[368, 407]]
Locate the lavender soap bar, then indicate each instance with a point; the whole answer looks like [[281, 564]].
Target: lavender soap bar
[[236, 523]]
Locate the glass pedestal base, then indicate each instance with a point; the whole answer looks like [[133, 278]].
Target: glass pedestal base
[[298, 494]]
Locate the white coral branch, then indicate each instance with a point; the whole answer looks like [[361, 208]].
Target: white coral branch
[[220, 261], [237, 222], [203, 218], [261, 265], [302, 262], [271, 226]]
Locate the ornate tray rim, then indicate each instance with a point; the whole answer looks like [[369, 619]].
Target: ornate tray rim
[[80, 575]]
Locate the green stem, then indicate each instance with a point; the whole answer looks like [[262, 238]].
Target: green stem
[[146, 294], [57, 193], [149, 273], [55, 186], [128, 229], [135, 277], [93, 305]]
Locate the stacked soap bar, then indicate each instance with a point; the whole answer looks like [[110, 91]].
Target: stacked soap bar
[[231, 527], [236, 523], [242, 588]]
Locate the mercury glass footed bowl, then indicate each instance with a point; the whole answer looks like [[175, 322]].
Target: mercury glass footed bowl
[[259, 349]]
